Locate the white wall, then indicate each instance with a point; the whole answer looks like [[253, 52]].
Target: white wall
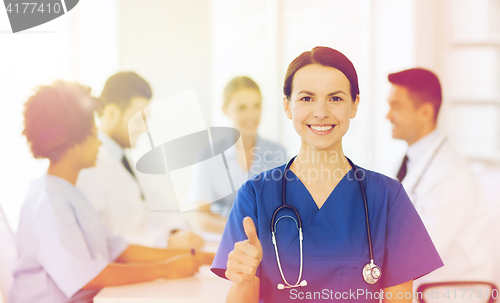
[[168, 43], [392, 47]]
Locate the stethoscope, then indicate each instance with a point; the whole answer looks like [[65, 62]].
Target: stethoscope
[[371, 273]]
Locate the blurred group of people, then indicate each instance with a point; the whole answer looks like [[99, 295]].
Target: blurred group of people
[[85, 224]]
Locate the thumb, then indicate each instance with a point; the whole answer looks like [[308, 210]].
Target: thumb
[[250, 231]]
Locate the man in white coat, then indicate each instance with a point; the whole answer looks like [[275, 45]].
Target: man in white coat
[[113, 187], [439, 182]]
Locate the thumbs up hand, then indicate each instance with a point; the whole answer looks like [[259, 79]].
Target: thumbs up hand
[[243, 261]]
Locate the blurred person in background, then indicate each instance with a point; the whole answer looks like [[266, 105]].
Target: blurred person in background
[[439, 182], [243, 106], [66, 253], [113, 186]]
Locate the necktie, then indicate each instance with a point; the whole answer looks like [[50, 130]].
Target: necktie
[[402, 170], [127, 166]]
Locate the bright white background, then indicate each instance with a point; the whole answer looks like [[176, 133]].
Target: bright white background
[[201, 44]]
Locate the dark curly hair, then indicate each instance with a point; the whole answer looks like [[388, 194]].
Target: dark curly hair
[[57, 117]]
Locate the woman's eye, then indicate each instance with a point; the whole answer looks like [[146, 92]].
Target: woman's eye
[[336, 98], [307, 99]]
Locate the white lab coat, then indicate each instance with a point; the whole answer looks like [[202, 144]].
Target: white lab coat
[[453, 209], [489, 177], [116, 196], [62, 245]]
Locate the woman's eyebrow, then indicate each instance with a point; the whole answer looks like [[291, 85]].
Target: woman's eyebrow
[[306, 92], [337, 92]]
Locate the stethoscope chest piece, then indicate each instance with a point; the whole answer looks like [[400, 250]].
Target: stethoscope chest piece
[[371, 273]]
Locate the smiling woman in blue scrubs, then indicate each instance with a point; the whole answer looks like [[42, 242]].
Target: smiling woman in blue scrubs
[[321, 97]]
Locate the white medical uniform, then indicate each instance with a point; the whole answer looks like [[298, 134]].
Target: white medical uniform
[[453, 209], [116, 195], [62, 245]]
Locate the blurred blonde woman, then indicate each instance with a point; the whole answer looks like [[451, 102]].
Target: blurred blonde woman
[[243, 106]]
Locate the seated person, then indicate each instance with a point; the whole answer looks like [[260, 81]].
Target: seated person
[[66, 253], [242, 105], [114, 188]]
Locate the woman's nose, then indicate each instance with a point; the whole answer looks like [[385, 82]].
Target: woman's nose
[[321, 110], [252, 113]]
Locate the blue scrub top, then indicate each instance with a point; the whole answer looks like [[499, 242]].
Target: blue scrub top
[[335, 244]]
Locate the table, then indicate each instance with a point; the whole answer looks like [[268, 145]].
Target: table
[[203, 287]]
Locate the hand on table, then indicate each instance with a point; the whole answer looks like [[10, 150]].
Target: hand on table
[[243, 261], [181, 266], [206, 258], [185, 239]]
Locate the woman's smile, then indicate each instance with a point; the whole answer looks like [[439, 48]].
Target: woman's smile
[[321, 129]]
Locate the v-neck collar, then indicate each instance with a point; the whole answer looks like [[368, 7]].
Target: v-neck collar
[[307, 207], [309, 194]]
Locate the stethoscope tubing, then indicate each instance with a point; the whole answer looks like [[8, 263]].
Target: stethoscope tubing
[[298, 223], [283, 200], [275, 244], [368, 231]]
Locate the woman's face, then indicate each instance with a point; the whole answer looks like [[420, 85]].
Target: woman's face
[[320, 106], [87, 150], [244, 110]]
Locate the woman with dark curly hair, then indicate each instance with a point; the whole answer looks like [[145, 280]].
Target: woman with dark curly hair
[[66, 254]]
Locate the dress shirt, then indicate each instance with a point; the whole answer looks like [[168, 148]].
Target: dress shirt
[[421, 151], [116, 195]]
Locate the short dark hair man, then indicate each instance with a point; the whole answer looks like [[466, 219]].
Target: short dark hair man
[[113, 186], [439, 181]]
